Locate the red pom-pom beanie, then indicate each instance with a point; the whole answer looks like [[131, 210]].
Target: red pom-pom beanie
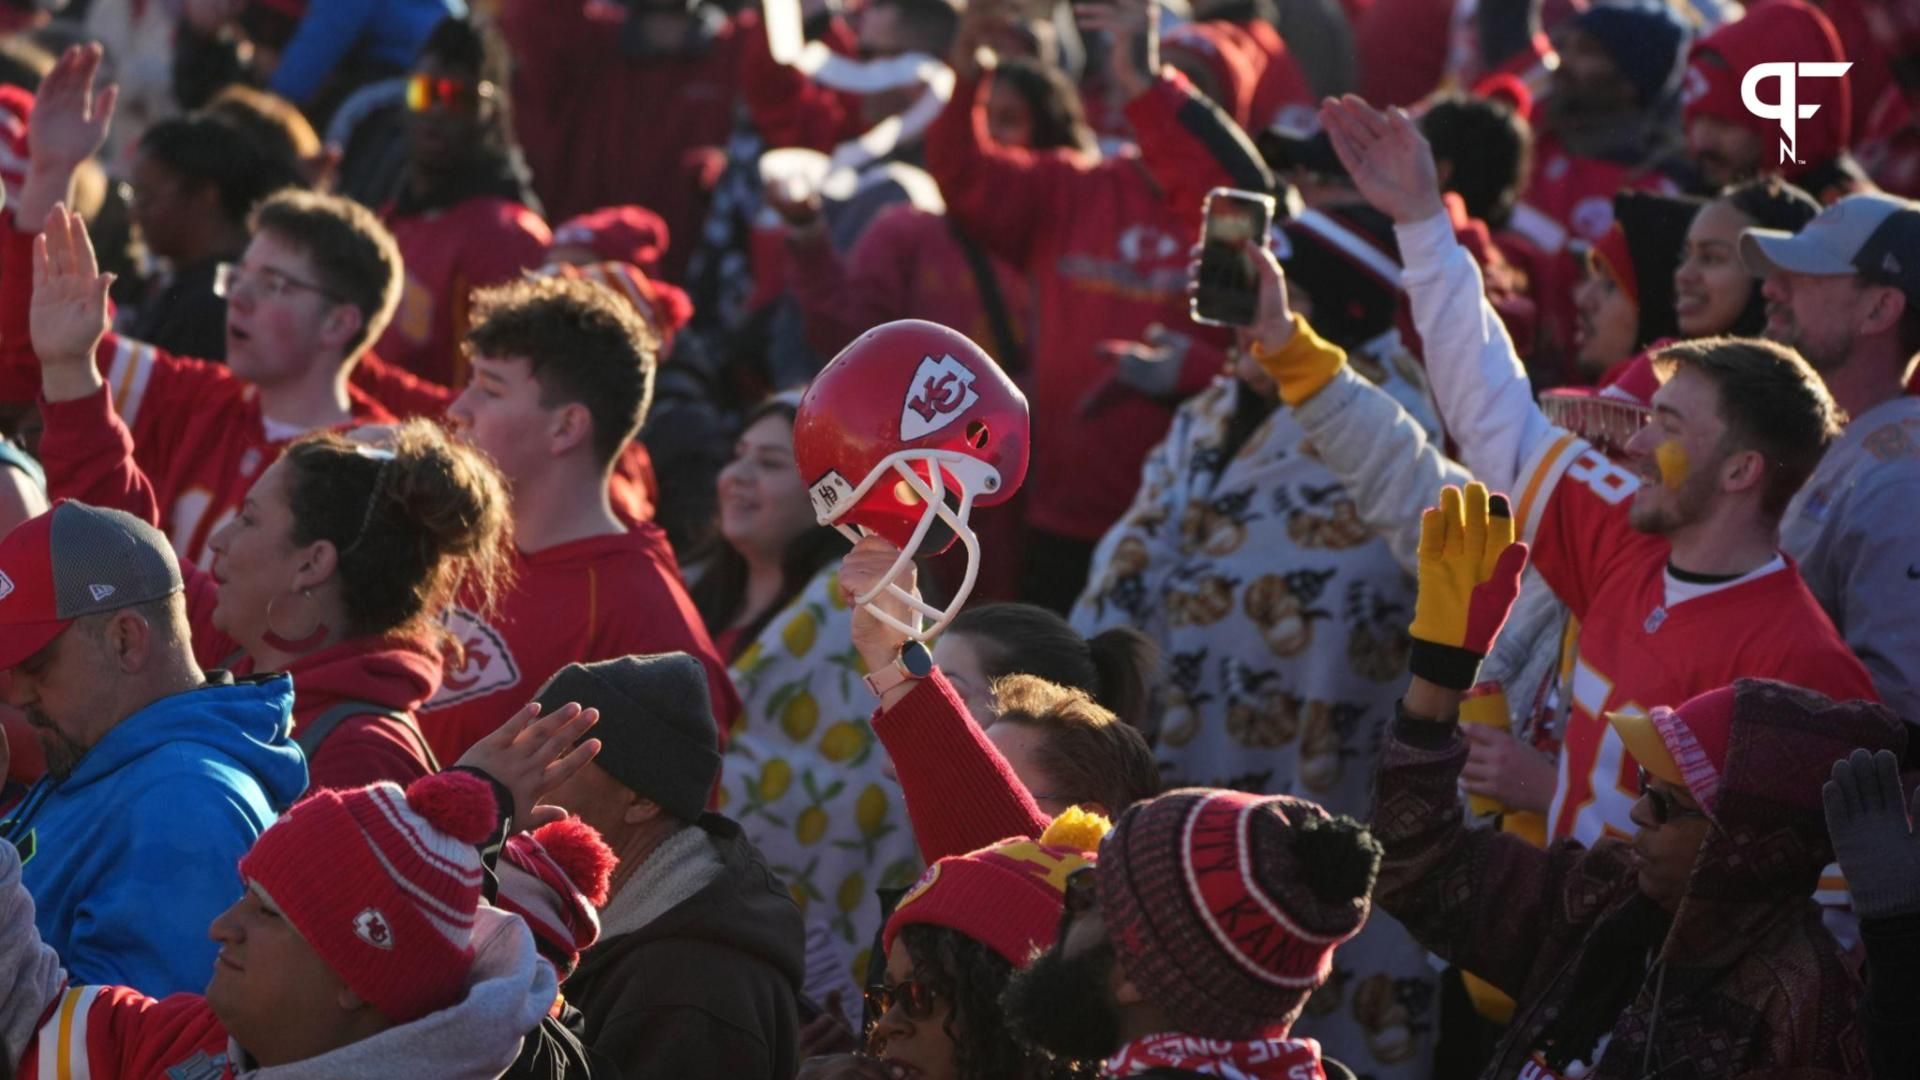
[[383, 884]]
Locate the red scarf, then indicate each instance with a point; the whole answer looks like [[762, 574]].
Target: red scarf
[[1254, 1059]]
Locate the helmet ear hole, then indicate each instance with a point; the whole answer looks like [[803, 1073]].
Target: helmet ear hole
[[977, 435]]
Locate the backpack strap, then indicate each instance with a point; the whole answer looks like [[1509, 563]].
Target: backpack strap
[[315, 731], [986, 283]]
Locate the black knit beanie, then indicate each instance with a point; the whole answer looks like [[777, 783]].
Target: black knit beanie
[[1656, 229], [657, 733]]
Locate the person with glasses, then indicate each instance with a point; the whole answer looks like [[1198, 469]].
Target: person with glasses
[[1688, 946], [315, 287], [465, 216], [965, 928]]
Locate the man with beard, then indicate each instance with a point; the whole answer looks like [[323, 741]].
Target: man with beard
[[1191, 945], [159, 775], [1846, 293], [466, 216], [1669, 559]]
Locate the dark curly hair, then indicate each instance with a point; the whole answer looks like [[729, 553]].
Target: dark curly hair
[[960, 970]]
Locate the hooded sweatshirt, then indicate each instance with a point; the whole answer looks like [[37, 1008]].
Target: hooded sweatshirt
[[132, 855], [389, 673], [1771, 32], [1746, 981], [707, 986], [117, 1033]]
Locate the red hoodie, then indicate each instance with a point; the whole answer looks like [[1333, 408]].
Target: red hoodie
[[1104, 244], [1775, 31]]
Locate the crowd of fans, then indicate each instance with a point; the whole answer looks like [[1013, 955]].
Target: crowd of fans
[[690, 538]]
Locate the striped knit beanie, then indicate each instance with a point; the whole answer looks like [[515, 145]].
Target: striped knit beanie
[[555, 878], [383, 884], [1224, 908]]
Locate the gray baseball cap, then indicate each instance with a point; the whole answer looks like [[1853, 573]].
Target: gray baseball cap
[[1876, 236], [72, 561]]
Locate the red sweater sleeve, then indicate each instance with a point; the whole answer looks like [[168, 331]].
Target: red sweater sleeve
[[960, 792], [364, 750], [787, 108], [88, 455], [1190, 147], [1006, 197], [19, 367]]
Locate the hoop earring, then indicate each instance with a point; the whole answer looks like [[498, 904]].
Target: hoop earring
[[299, 643]]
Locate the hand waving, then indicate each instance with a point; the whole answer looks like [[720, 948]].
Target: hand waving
[[1872, 839], [68, 126], [69, 313], [1470, 567], [532, 754], [1387, 156]]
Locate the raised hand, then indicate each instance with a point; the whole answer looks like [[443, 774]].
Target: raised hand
[[1872, 837], [1470, 567], [68, 126], [1133, 28], [530, 755], [1387, 156], [69, 313]]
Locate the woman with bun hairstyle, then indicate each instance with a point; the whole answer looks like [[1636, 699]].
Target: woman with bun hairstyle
[[1116, 667]]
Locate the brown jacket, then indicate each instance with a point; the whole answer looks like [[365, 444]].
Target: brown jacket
[[1748, 981]]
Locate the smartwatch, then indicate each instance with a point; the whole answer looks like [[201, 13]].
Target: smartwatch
[[912, 663]]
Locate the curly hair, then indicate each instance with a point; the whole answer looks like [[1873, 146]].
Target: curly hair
[[971, 976]]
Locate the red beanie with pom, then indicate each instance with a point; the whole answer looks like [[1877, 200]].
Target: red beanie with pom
[[383, 884], [555, 878]]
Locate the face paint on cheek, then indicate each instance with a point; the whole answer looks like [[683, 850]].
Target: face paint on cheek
[[1672, 461]]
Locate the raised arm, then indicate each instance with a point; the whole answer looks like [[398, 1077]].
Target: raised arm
[[1485, 399], [961, 794]]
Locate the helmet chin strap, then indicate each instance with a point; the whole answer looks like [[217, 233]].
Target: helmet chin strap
[[956, 519]]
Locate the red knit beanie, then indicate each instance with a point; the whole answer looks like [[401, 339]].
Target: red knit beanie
[[556, 878], [1007, 897], [383, 884], [1224, 908], [1779, 30], [630, 234]]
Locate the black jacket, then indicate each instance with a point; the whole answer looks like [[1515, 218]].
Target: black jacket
[[709, 988], [1892, 1008]]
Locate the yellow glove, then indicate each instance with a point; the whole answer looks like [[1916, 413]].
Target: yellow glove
[[1470, 567], [1303, 366]]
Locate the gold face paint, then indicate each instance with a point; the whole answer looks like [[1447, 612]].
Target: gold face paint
[[1671, 458]]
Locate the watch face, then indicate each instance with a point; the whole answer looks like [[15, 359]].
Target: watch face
[[916, 659]]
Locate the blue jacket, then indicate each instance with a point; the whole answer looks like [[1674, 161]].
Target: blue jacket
[[133, 854], [390, 32]]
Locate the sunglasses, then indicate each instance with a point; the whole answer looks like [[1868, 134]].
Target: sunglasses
[[1665, 807], [425, 92], [914, 997]]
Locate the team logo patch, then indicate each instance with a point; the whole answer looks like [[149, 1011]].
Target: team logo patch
[[371, 927], [199, 1067], [920, 887], [486, 664], [99, 592], [940, 391], [6, 585], [1655, 620], [830, 494]]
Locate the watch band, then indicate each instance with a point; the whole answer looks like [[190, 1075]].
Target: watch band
[[912, 663]]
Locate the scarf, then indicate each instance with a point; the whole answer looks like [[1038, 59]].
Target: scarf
[[1253, 1059], [681, 866]]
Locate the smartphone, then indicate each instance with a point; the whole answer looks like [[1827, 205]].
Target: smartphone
[[1227, 291]]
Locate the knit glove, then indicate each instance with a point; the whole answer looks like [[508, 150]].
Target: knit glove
[[1301, 367], [1872, 840], [1470, 568]]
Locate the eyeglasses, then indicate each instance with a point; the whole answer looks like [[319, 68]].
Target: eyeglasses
[[424, 92], [229, 278], [1665, 807], [1081, 894], [914, 997]]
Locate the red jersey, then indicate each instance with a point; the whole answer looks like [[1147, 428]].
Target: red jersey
[[1053, 214], [1647, 638], [448, 253], [118, 1033], [592, 599]]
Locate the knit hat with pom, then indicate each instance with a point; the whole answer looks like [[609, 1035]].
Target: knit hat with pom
[[1224, 908], [383, 884], [555, 878], [1007, 897]]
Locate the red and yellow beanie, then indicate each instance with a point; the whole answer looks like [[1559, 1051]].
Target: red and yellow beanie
[[383, 884], [1007, 897]]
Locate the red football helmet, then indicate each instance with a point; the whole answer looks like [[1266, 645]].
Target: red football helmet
[[910, 425]]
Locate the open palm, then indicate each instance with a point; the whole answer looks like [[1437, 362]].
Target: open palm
[[69, 313], [69, 122], [1387, 157]]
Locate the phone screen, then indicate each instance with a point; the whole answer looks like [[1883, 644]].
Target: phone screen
[[1227, 291]]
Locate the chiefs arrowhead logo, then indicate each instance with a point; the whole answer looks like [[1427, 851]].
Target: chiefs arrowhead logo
[[487, 664], [940, 391], [371, 927]]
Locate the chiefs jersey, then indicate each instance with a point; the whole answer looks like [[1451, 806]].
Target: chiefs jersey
[[588, 600], [1648, 638]]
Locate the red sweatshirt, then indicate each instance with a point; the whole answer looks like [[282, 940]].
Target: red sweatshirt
[[593, 599], [448, 253], [960, 792], [87, 447], [1105, 245], [197, 427], [789, 109], [601, 129]]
